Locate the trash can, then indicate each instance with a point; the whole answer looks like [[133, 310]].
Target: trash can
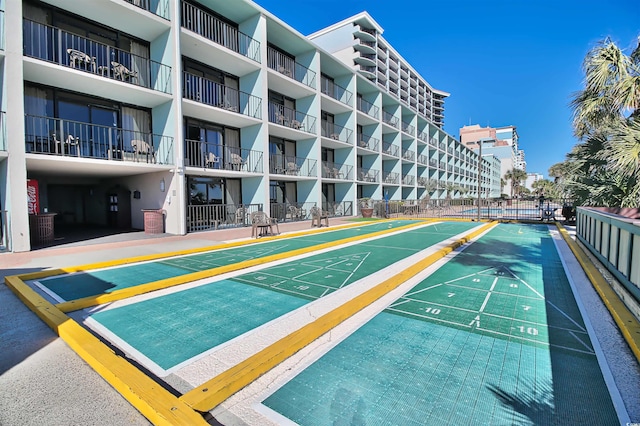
[[153, 221], [41, 228]]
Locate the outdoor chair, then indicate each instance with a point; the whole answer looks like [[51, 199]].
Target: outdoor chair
[[142, 148], [317, 214], [296, 213], [262, 225], [210, 160]]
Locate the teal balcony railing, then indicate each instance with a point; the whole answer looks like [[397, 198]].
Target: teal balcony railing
[[219, 32], [68, 138], [61, 47]]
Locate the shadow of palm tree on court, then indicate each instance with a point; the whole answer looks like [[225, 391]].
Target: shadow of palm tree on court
[[532, 402]]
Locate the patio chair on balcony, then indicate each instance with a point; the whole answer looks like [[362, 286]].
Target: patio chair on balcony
[[292, 168], [286, 71], [317, 215], [143, 149], [210, 160], [236, 161], [122, 72], [297, 125], [64, 147], [328, 172], [78, 57]]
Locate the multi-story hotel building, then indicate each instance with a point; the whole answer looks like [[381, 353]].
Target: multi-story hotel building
[[207, 111]]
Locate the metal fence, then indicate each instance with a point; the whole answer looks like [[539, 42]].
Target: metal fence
[[218, 31], [494, 209], [55, 136], [217, 216], [64, 48]]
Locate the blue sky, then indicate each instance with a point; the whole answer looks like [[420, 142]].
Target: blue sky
[[504, 62]]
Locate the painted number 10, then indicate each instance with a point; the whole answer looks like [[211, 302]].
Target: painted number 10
[[529, 330], [434, 311]]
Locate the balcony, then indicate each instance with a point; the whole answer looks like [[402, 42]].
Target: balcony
[[157, 7], [368, 142], [367, 59], [336, 171], [292, 166], [335, 91], [209, 92], [368, 72], [433, 163], [365, 46], [335, 132], [408, 180], [364, 33], [423, 137], [390, 149], [3, 131], [408, 154], [423, 159], [367, 107], [285, 65], [368, 175], [219, 32], [390, 119], [391, 178], [60, 47], [407, 128], [342, 208], [279, 114], [1, 29], [212, 156], [68, 138]]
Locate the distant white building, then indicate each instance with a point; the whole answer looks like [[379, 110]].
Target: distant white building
[[531, 179]]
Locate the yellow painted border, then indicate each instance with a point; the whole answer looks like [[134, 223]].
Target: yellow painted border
[[118, 262], [156, 403], [125, 293], [626, 321], [208, 395]]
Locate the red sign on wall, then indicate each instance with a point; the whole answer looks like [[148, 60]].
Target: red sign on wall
[[33, 197]]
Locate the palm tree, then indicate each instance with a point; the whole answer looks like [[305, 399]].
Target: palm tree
[[430, 185], [604, 168], [516, 176]]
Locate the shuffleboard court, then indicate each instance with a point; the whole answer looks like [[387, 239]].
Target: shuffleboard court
[[91, 283], [494, 336], [173, 328]]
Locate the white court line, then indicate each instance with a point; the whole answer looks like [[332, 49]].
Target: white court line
[[565, 315], [580, 340], [486, 299]]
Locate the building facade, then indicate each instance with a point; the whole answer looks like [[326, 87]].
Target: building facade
[[203, 112]]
